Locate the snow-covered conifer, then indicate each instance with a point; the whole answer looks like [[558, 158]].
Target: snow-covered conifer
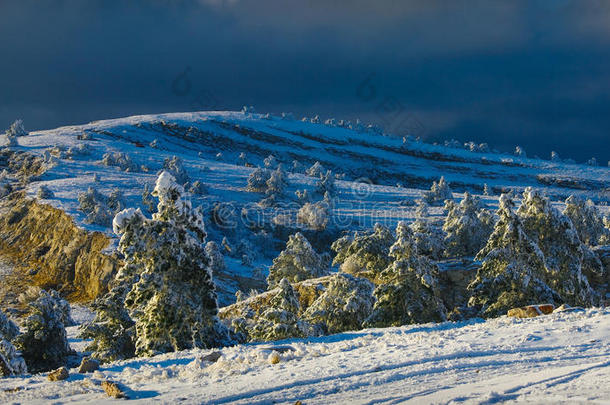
[[270, 162], [407, 290], [513, 270], [316, 170], [173, 301], [11, 362], [326, 184], [277, 182], [15, 130], [428, 237], [439, 192], [217, 260], [364, 254], [565, 255], [297, 262], [175, 167], [44, 344], [241, 159], [147, 199], [519, 151], [280, 319], [343, 306], [587, 220], [467, 226], [257, 181]]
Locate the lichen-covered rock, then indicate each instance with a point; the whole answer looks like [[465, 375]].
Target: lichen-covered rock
[[344, 305], [513, 270], [297, 262], [408, 290], [113, 389]]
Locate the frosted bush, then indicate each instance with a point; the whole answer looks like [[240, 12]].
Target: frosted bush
[[314, 216], [277, 182], [519, 151], [121, 160], [297, 262], [197, 188], [270, 162], [217, 261]]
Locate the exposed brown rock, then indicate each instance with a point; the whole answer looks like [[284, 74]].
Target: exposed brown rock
[[88, 365], [59, 374], [112, 389], [531, 311], [65, 257]]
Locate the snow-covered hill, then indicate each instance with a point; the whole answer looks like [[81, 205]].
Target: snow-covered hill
[[559, 358], [380, 176]]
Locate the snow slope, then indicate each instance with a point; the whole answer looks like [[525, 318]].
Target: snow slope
[[559, 358]]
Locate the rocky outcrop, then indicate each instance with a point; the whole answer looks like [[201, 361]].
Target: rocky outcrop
[[52, 252]]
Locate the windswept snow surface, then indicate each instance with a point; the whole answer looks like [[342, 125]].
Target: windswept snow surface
[[559, 358]]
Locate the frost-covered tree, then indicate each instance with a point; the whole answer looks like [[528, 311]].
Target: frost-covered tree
[[99, 208], [112, 330], [428, 237], [519, 151], [173, 301], [270, 162], [314, 215], [439, 192], [147, 199], [15, 130], [280, 319], [277, 182], [345, 303], [241, 159], [257, 181], [44, 193], [44, 344], [513, 270], [587, 220], [467, 226], [217, 260], [316, 170], [297, 262], [175, 167], [407, 290], [565, 255], [197, 188], [364, 254], [11, 362], [326, 184]]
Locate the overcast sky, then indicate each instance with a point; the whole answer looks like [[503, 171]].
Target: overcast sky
[[534, 73]]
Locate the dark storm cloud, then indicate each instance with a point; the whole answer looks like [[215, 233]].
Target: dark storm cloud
[[533, 73]]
